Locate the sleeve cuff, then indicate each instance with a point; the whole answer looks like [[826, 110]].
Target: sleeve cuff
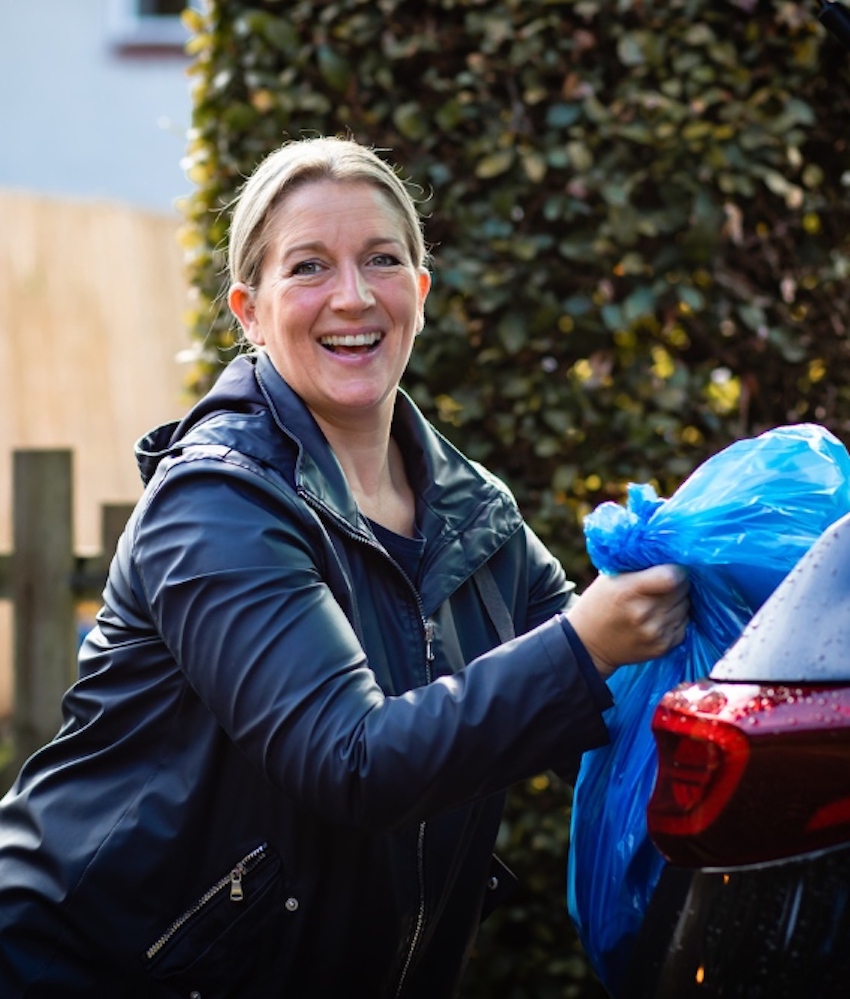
[[597, 686]]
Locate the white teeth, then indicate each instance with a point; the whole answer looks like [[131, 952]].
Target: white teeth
[[351, 340]]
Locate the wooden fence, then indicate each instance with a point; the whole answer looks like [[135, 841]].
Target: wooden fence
[[46, 581], [91, 332]]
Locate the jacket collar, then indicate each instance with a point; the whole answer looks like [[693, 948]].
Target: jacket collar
[[464, 511], [317, 471], [458, 502]]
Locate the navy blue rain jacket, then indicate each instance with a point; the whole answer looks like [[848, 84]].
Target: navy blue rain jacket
[[282, 766]]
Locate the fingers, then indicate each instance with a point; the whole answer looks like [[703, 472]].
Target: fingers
[[658, 598], [633, 616], [660, 579]]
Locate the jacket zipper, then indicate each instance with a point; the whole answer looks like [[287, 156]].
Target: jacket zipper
[[428, 626], [428, 636], [420, 915], [347, 529], [237, 894]]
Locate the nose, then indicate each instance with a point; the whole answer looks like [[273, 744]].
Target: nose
[[352, 291]]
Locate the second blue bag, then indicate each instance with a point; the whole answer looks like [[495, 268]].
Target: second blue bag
[[740, 523]]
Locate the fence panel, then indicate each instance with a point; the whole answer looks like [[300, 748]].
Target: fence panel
[[45, 581]]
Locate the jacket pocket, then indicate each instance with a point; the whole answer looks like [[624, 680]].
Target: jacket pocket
[[231, 936]]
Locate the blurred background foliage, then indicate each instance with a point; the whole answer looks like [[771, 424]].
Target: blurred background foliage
[[638, 216]]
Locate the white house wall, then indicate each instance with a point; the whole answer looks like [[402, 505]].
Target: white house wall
[[79, 116]]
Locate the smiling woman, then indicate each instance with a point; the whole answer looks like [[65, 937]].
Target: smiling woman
[[328, 644], [327, 264]]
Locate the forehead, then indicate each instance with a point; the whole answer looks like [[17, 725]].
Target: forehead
[[331, 209]]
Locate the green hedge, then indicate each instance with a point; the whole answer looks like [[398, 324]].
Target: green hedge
[[638, 217]]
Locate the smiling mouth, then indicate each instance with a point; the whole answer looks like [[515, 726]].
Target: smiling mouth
[[351, 342]]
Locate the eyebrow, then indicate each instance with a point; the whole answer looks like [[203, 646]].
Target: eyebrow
[[319, 246]]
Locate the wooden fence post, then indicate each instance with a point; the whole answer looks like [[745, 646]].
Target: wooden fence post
[[42, 594], [45, 580]]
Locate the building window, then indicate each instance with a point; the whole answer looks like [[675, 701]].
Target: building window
[[143, 26], [161, 8]]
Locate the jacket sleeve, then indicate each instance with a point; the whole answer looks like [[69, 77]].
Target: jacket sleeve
[[541, 592], [549, 593], [271, 655]]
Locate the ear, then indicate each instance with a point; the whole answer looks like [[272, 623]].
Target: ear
[[423, 280], [240, 298]]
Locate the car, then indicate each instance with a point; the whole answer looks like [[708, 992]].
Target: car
[[751, 806]]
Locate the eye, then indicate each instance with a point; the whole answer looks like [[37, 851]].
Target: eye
[[306, 267], [384, 260]]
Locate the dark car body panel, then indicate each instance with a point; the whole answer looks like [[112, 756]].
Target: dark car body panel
[[779, 931]]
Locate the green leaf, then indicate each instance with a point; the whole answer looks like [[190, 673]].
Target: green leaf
[[561, 115], [630, 49], [410, 121], [335, 70], [691, 297], [612, 316], [641, 302], [513, 332], [494, 164]]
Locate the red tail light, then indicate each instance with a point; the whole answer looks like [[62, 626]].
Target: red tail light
[[749, 773], [700, 765]]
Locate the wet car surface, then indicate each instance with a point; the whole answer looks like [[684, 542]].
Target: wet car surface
[[751, 806]]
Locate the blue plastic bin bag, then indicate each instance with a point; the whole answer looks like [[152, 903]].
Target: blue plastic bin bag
[[739, 523]]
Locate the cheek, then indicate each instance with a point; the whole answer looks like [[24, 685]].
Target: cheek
[[278, 314], [297, 308], [407, 305]]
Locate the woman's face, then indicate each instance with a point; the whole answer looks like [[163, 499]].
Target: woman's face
[[339, 300]]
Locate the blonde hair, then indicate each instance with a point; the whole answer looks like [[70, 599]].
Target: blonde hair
[[299, 162]]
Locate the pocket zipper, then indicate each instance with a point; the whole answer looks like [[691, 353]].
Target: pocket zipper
[[237, 894]]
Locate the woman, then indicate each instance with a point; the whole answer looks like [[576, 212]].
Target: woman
[[282, 767]]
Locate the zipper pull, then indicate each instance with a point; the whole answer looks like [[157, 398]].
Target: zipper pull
[[429, 641], [236, 892]]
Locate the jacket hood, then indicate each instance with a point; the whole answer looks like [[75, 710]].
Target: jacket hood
[[235, 392]]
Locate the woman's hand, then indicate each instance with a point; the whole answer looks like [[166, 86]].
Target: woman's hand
[[633, 616]]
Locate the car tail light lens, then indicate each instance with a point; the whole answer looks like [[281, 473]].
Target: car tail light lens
[[750, 773], [703, 763]]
